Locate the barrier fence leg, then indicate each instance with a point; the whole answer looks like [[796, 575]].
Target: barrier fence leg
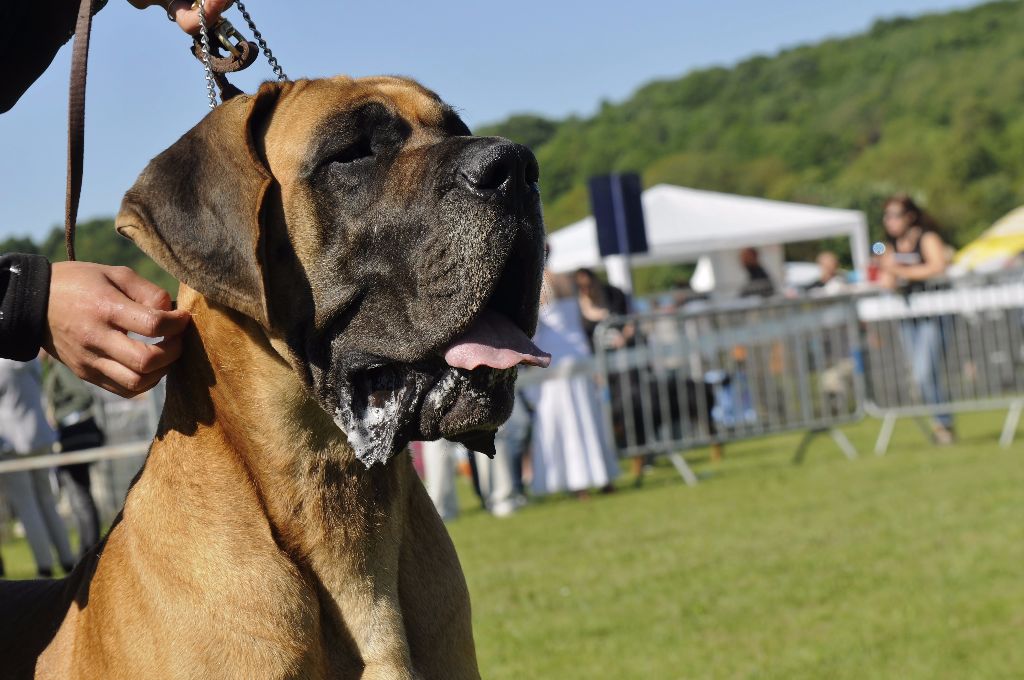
[[801, 449], [885, 434], [838, 436], [1010, 425], [683, 469], [844, 443], [925, 428]]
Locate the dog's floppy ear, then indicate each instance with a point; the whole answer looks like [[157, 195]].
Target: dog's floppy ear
[[197, 207]]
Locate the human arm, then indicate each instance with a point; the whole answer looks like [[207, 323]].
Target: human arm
[[886, 279], [81, 313], [24, 290], [186, 17], [31, 33]]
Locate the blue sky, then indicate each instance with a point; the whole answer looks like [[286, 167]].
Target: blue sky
[[486, 59]]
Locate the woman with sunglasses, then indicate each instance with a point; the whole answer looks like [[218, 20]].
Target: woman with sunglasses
[[916, 254]]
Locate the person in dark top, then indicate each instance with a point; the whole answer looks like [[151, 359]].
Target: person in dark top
[[758, 281], [915, 253], [78, 311], [598, 301], [71, 406]]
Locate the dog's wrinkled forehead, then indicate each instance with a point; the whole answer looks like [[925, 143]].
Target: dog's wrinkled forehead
[[309, 115]]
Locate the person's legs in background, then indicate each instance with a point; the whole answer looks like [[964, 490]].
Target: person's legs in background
[[923, 345], [931, 338], [515, 467], [55, 527], [439, 473], [76, 483], [74, 480], [17, 487], [474, 478], [510, 444], [497, 477], [20, 490]]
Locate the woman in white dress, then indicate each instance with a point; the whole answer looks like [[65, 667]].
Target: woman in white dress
[[570, 450]]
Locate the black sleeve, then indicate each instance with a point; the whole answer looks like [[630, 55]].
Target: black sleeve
[[31, 33], [24, 293]]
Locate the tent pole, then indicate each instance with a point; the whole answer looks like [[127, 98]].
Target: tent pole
[[860, 249], [620, 272]]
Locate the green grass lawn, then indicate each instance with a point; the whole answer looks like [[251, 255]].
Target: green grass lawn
[[907, 566]]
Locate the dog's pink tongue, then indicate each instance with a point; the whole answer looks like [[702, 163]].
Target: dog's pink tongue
[[493, 340]]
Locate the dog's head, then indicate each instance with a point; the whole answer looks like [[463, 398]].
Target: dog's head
[[395, 255]]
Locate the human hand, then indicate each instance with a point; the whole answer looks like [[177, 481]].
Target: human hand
[[888, 273], [183, 13], [91, 309], [888, 280]]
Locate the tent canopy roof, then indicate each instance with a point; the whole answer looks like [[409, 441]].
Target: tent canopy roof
[[1010, 224], [683, 224], [997, 245]]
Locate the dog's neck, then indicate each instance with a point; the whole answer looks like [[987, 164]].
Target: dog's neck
[[326, 511], [232, 379]]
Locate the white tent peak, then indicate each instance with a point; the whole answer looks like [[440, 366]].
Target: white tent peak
[[683, 224]]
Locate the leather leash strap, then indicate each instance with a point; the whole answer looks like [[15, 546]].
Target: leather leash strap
[[76, 123]]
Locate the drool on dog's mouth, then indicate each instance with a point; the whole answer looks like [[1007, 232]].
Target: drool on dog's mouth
[[463, 392]]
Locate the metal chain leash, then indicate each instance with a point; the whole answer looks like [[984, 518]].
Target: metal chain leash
[[204, 33], [271, 59], [205, 37]]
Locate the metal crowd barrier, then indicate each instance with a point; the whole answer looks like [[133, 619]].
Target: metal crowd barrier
[[129, 426], [699, 377], [708, 376], [947, 347]]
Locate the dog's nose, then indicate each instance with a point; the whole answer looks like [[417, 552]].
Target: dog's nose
[[502, 167]]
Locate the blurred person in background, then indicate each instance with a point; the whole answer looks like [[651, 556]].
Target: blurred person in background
[[569, 451], [831, 280], [501, 477], [439, 467], [71, 406], [25, 432], [759, 284], [916, 254], [598, 300]]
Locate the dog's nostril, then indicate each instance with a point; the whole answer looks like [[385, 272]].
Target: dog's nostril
[[503, 167], [494, 172]]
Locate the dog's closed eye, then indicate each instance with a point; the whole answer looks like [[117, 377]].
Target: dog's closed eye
[[361, 149]]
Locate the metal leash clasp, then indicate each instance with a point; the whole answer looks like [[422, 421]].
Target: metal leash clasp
[[229, 38]]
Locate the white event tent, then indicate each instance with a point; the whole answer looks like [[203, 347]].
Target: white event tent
[[687, 225]]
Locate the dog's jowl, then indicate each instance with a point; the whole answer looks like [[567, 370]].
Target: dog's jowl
[[361, 272]]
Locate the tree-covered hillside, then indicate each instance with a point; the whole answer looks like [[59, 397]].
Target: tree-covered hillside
[[95, 241], [933, 106]]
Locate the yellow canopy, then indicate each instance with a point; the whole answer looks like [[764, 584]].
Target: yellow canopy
[[996, 246]]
